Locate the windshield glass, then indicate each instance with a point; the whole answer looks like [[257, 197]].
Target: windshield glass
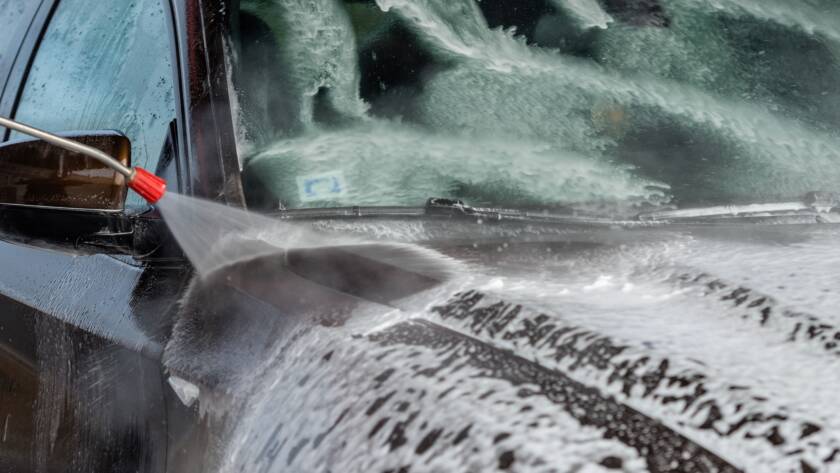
[[599, 104]]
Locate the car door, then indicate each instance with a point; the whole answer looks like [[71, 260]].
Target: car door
[[80, 385]]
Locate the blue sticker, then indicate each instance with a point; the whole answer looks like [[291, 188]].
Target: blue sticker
[[325, 186]]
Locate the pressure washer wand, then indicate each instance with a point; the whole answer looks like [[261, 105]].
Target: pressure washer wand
[[149, 186]]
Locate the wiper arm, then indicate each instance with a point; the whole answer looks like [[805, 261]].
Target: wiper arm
[[814, 204], [815, 207], [457, 208], [355, 211], [442, 208]]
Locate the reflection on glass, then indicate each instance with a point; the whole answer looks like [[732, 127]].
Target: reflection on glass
[[33, 172], [624, 104]]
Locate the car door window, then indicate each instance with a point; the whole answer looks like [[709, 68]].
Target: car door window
[[14, 18], [105, 65]]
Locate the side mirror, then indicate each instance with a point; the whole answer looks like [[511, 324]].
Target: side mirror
[[37, 174]]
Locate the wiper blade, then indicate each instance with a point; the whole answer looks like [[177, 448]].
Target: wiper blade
[[815, 207], [442, 208], [823, 206], [456, 208], [348, 212]]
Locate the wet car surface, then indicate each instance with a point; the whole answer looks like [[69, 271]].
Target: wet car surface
[[527, 368], [686, 323]]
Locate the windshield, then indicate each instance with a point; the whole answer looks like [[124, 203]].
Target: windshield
[[601, 104]]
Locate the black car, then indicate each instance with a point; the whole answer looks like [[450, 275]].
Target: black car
[[535, 235]]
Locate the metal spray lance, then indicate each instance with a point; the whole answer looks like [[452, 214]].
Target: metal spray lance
[[141, 181]]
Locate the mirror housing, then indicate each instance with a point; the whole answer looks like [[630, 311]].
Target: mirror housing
[[79, 207], [34, 173], [54, 198]]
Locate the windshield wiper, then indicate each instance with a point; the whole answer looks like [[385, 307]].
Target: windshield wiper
[[815, 206], [443, 208], [456, 208]]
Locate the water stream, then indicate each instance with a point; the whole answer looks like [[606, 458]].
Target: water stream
[[214, 236]]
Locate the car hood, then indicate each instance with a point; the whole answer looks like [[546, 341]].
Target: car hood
[[694, 348]]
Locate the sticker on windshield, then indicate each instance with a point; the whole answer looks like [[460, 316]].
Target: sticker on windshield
[[325, 186]]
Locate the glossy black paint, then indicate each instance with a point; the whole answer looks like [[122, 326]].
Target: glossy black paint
[[212, 165], [86, 298], [88, 304]]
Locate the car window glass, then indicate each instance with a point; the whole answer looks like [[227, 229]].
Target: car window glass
[[604, 106], [14, 16], [105, 65]]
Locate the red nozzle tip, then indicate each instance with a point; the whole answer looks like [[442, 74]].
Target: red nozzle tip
[[149, 186]]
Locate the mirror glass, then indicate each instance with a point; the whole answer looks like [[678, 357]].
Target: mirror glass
[[35, 173]]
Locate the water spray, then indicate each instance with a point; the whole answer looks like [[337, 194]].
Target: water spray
[[150, 187]]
